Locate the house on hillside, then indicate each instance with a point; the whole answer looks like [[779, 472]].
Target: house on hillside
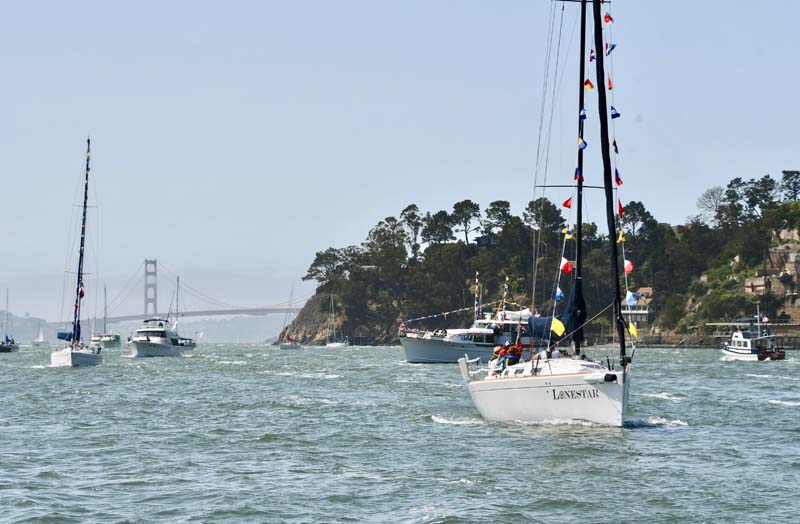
[[641, 312]]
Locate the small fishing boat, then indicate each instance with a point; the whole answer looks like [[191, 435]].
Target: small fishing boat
[[75, 353], [751, 341]]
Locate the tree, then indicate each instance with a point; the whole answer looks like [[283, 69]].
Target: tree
[[327, 266], [413, 223], [790, 185], [709, 203], [464, 213], [761, 194], [498, 215], [543, 215], [437, 228], [636, 219]]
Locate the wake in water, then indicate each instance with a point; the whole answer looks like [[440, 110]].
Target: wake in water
[[457, 421], [654, 422], [664, 396], [784, 402]]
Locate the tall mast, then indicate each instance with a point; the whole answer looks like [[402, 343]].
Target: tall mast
[[602, 112], [105, 310], [76, 319], [177, 293], [5, 319], [577, 303]]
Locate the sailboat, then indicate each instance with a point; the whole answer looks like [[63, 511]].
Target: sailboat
[[333, 342], [105, 339], [288, 342], [39, 340], [546, 388], [75, 353], [7, 344], [157, 338]]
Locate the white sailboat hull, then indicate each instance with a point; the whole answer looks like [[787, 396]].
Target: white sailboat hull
[[598, 397], [154, 349], [289, 345], [337, 344], [75, 357], [438, 350]]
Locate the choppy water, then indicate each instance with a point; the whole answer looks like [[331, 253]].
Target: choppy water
[[239, 433]]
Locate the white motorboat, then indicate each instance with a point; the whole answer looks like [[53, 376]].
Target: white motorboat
[[548, 389], [478, 341], [157, 338], [75, 354]]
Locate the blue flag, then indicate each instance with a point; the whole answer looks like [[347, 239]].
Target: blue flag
[[583, 114], [614, 112], [559, 294]]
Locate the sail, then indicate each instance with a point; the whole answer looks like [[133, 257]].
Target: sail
[[575, 315]]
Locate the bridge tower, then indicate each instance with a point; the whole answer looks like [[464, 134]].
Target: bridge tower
[[150, 288]]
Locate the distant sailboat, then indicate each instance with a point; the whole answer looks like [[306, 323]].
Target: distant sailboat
[[333, 342], [39, 340], [288, 342], [75, 353], [105, 339], [8, 344]]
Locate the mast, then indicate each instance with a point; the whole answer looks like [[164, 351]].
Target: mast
[[333, 321], [105, 310], [76, 318], [5, 320], [177, 293], [577, 302], [602, 113]]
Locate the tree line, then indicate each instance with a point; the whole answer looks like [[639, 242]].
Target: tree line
[[416, 263]]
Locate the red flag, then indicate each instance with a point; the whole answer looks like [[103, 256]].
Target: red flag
[[80, 291], [592, 56], [610, 83], [567, 203], [566, 267], [628, 267], [607, 18], [619, 208], [588, 85]]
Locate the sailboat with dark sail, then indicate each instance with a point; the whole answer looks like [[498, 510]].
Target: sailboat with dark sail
[[545, 387], [76, 353]]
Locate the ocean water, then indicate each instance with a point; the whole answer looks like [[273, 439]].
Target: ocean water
[[246, 433]]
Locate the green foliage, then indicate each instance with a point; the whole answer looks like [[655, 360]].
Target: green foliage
[[412, 266]]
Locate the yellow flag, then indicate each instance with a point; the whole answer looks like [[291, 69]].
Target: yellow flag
[[632, 330], [568, 233], [557, 327], [621, 237]]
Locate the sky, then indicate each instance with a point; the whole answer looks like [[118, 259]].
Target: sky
[[233, 141]]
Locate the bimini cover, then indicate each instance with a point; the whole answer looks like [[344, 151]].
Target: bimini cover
[[516, 316]]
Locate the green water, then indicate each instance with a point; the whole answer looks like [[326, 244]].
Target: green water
[[241, 433]]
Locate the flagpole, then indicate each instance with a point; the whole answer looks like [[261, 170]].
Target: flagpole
[[605, 145]]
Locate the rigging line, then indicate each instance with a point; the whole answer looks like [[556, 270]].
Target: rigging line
[[133, 275], [550, 125], [548, 54]]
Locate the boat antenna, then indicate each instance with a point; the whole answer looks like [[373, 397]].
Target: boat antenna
[[605, 147], [79, 292]]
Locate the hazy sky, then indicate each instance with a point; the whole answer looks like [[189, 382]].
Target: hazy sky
[[234, 140]]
